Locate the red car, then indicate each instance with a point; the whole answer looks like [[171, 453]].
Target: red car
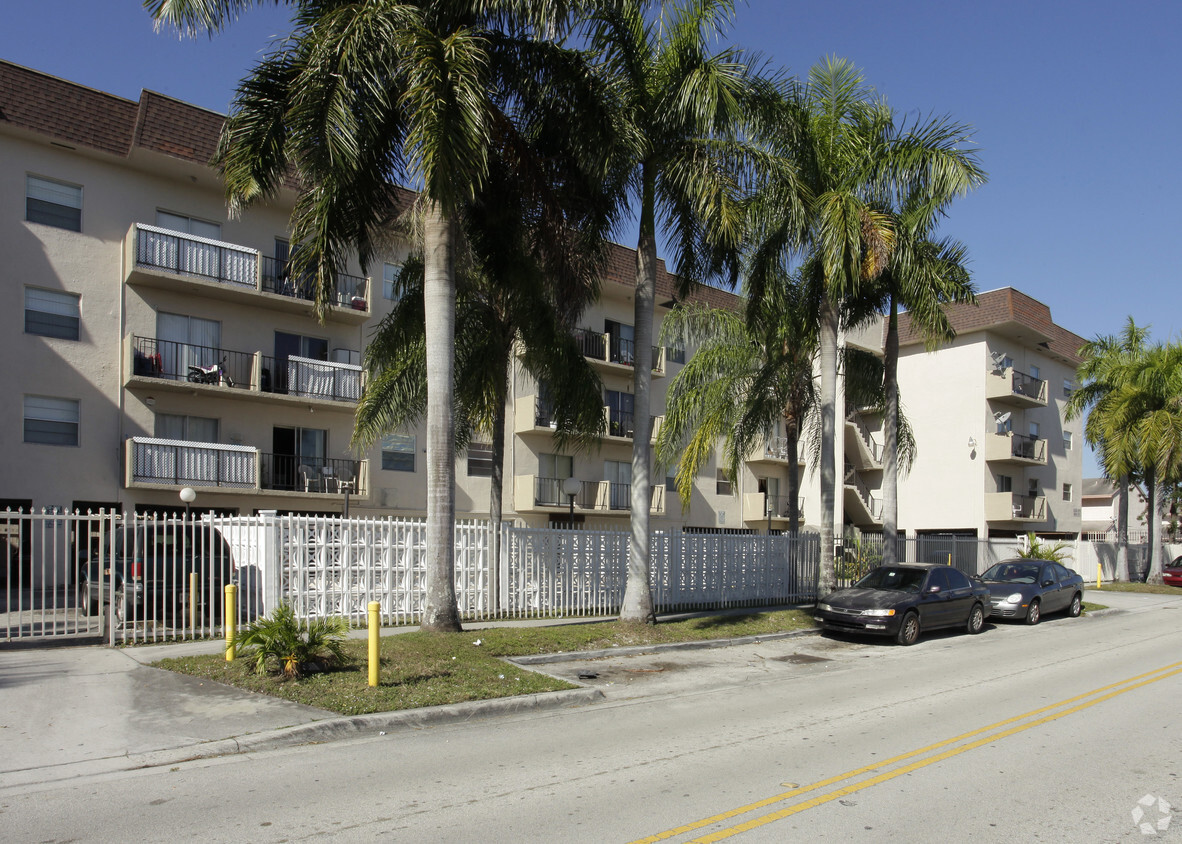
[[1172, 573]]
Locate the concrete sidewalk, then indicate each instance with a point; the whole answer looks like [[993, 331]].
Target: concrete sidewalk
[[71, 712]]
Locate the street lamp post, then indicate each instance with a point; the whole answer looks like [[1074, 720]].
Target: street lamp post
[[570, 488], [188, 495]]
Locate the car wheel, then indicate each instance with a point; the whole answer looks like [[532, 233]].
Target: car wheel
[[89, 607], [118, 607], [1033, 612], [1076, 605], [976, 622], [909, 630]]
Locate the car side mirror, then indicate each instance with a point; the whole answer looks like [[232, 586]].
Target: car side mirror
[[932, 590], [1048, 583]]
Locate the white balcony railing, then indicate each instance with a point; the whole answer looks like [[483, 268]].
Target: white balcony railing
[[181, 463]]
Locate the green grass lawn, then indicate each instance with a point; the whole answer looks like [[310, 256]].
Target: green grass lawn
[[1147, 588], [429, 669]]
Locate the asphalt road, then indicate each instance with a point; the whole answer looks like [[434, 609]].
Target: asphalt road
[[1051, 733]]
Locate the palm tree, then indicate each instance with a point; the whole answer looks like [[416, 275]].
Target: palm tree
[[839, 158], [682, 107], [1141, 425], [365, 96], [1106, 362]]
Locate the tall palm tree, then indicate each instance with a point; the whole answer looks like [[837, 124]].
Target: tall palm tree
[[364, 96], [1107, 360], [839, 157], [1141, 424], [682, 106]]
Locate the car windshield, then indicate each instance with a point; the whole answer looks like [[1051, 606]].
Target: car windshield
[[1012, 573], [895, 579]]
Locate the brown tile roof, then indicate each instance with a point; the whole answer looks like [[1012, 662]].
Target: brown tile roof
[[1005, 307], [621, 270]]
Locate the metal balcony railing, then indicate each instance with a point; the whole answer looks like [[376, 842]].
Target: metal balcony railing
[[181, 463], [1027, 447], [1028, 386], [175, 361], [295, 473], [309, 378], [348, 291], [185, 254]]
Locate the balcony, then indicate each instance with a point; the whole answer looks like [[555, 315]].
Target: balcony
[[213, 467], [533, 415], [774, 451], [1016, 388], [862, 444], [167, 365], [1017, 449], [534, 494], [157, 257], [757, 508], [615, 354], [1010, 507]]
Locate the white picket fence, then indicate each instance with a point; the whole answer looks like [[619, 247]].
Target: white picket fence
[[335, 566]]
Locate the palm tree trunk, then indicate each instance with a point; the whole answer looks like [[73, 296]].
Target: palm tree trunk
[[439, 299], [496, 489], [1122, 530], [890, 437], [826, 581], [1153, 517], [792, 437], [638, 598]]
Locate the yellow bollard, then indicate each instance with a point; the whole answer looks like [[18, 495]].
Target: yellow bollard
[[1099, 571], [375, 628], [949, 559], [192, 600], [231, 617]]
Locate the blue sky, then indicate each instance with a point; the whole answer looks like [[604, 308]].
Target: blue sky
[[1074, 104]]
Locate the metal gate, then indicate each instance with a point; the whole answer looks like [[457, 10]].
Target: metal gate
[[41, 591]]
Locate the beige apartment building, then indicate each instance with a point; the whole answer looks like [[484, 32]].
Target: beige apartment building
[[154, 344]]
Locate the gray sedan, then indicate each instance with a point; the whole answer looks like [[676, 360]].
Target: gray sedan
[[1027, 589]]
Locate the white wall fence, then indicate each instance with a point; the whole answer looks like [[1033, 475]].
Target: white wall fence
[[334, 566]]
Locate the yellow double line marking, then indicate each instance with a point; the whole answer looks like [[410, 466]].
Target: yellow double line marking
[[996, 731]]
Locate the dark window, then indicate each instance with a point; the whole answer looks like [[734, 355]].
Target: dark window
[[957, 579], [51, 421], [51, 313], [53, 203], [675, 354], [937, 577], [480, 460], [398, 453]]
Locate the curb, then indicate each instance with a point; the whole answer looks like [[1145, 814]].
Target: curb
[[336, 729]]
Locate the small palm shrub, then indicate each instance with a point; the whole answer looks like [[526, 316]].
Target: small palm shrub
[[1037, 549], [293, 644]]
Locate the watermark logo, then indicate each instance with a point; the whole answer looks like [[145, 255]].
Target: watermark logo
[[1149, 820]]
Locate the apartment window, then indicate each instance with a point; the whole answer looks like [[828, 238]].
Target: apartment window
[[189, 225], [389, 277], [480, 460], [557, 467], [1067, 441], [196, 429], [1034, 371], [671, 483], [1066, 492], [53, 203], [675, 354], [1034, 429], [1005, 483], [618, 474], [51, 421], [398, 453], [1068, 388], [722, 483], [51, 313]]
